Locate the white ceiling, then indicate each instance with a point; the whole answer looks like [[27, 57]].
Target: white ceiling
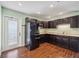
[[33, 8]]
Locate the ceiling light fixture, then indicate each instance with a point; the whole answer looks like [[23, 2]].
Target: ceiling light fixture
[[20, 4], [51, 5]]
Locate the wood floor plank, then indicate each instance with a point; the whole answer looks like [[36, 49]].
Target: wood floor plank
[[45, 50]]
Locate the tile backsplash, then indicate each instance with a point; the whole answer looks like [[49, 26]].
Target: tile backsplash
[[71, 31]]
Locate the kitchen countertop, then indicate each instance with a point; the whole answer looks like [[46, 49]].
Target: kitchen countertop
[[48, 31]]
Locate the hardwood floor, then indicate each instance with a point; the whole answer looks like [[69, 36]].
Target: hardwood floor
[[45, 50]]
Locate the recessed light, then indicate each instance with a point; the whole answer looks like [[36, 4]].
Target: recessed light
[[20, 4], [38, 12], [51, 5]]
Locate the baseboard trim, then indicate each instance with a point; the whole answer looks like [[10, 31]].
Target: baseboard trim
[[12, 48]]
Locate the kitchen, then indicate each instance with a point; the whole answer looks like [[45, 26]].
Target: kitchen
[[62, 32], [42, 30]]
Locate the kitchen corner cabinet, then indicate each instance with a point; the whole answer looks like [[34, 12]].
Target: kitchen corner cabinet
[[43, 24], [52, 24], [40, 24], [52, 39], [47, 24]]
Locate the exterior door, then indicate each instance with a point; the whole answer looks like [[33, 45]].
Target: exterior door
[[11, 33]]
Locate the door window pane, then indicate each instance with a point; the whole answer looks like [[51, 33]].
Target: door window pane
[[12, 31]]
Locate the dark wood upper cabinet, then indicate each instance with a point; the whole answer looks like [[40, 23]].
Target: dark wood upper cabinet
[[40, 24], [45, 24], [51, 24], [74, 22], [59, 21], [77, 21], [66, 21], [54, 24]]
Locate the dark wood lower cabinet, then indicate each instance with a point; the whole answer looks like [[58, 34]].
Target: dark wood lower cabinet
[[59, 40], [65, 41], [51, 39], [62, 41], [68, 42], [44, 38], [74, 43]]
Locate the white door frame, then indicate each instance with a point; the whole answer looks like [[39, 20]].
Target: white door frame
[[6, 33]]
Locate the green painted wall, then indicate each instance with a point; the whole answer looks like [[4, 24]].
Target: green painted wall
[[0, 29], [20, 18]]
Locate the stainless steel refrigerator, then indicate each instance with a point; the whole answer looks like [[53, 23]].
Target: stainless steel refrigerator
[[31, 30]]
